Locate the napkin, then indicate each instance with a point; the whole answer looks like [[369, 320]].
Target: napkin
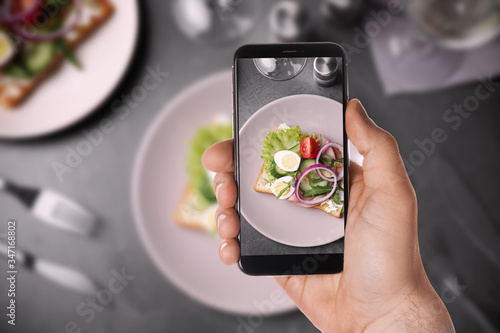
[[407, 63]]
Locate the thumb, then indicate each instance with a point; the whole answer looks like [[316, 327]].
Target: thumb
[[382, 164]]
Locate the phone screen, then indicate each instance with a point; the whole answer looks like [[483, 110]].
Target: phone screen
[[291, 146]]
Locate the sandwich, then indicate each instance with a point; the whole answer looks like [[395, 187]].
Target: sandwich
[[36, 36], [196, 209], [305, 169]]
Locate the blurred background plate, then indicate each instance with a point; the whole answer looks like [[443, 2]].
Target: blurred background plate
[[187, 257], [59, 101]]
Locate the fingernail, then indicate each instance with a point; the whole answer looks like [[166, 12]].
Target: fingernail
[[359, 102], [217, 189], [220, 218], [222, 245], [362, 107], [362, 111]]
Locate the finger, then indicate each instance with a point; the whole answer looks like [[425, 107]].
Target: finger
[[219, 157], [382, 163], [283, 280], [229, 251], [225, 189], [355, 173], [228, 224]]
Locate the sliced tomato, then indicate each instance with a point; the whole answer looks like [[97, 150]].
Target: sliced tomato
[[308, 148]]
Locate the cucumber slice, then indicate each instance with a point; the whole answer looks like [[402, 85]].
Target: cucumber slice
[[305, 184], [17, 71], [276, 172], [312, 178], [296, 149], [317, 181], [306, 164], [38, 56]]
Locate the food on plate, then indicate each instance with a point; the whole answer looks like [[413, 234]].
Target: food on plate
[[306, 169], [282, 188], [37, 35], [198, 203]]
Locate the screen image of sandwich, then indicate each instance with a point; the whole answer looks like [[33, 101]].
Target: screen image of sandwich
[[291, 145], [37, 36], [306, 169], [196, 208]]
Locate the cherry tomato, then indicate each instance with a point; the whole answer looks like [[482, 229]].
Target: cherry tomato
[[308, 148]]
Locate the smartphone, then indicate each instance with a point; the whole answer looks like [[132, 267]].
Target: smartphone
[[291, 157]]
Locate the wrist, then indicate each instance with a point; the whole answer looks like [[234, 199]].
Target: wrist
[[419, 311]]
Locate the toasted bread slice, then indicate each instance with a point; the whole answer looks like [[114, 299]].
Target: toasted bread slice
[[189, 213], [13, 91], [263, 185]]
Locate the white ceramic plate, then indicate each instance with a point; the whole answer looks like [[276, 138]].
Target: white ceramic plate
[[69, 94], [187, 257], [281, 220]]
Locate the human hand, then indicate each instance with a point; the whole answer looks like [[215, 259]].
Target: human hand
[[383, 287]]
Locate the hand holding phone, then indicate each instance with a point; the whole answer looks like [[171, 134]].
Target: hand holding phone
[[383, 286]]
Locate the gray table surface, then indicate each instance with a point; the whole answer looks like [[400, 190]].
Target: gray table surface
[[458, 225], [256, 91]]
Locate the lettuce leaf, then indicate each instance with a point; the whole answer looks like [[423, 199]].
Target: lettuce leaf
[[279, 139], [204, 137]]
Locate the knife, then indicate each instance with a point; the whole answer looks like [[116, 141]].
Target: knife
[[66, 277], [53, 208]]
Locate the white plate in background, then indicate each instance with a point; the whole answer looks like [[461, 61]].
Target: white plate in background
[[69, 94]]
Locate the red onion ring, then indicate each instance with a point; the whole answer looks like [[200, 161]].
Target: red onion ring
[[293, 199], [9, 18], [21, 31], [321, 199], [339, 172]]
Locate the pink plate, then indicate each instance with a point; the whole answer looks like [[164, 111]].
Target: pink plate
[[186, 257], [281, 220]]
